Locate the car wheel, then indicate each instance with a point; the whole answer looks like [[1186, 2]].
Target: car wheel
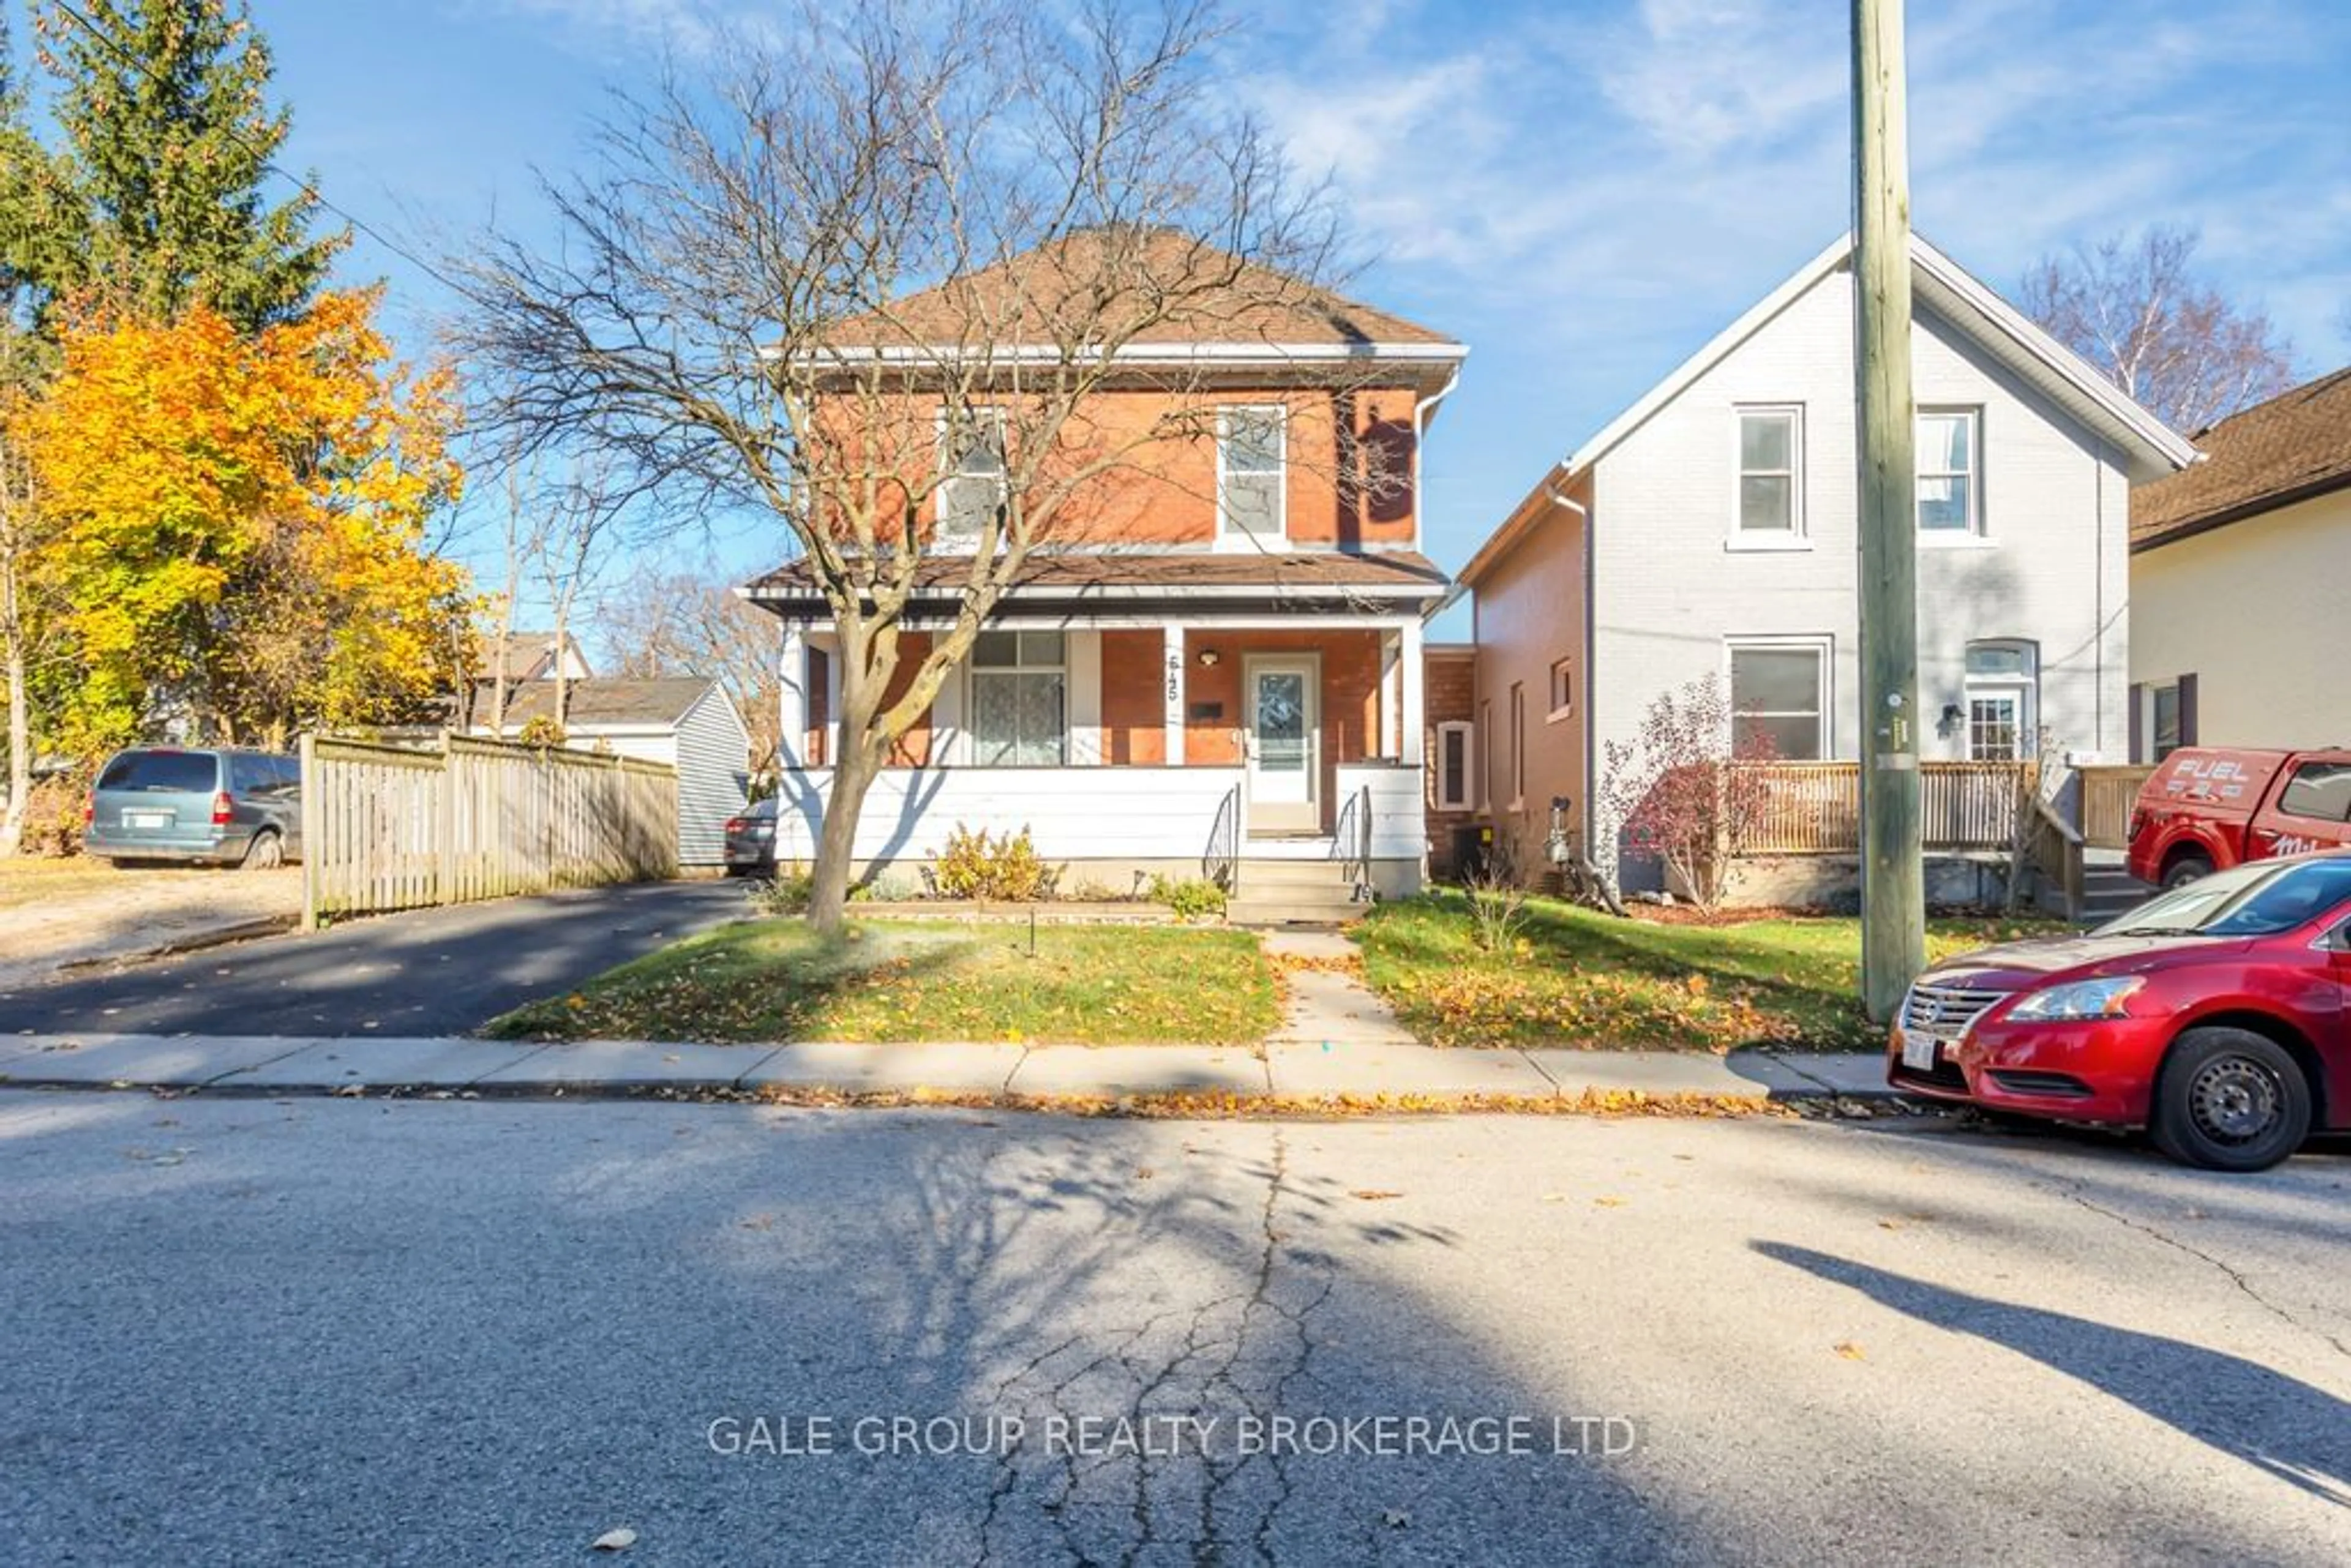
[[2185, 870], [267, 852], [2229, 1100]]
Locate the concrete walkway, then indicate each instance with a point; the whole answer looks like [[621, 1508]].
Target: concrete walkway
[[1286, 1073]]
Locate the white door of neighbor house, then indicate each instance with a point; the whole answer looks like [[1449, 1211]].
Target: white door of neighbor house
[[1284, 751]]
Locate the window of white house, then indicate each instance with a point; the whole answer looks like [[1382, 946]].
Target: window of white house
[[1948, 494], [2002, 699], [1018, 713], [1779, 700], [971, 452], [1250, 449], [1453, 765], [1771, 472], [1563, 688]]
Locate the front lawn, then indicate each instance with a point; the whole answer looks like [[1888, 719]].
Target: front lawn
[[1579, 978], [768, 980]]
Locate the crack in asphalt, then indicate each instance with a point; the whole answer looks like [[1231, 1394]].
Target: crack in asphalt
[[2236, 1276], [1239, 1354]]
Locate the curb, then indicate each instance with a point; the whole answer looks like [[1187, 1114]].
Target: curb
[[1144, 1105]]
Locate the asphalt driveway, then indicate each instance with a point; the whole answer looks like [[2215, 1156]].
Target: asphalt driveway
[[427, 972]]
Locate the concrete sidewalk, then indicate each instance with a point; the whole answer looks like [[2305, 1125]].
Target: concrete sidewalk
[[1396, 1071]]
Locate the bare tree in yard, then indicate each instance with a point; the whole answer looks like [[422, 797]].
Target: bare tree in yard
[[2139, 311], [784, 284], [1679, 795], [693, 622]]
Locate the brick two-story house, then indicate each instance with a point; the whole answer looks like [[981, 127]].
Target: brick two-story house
[[1219, 670]]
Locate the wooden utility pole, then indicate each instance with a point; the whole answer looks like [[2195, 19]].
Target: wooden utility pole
[[1892, 870]]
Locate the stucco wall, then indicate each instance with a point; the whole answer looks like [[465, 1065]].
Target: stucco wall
[[2254, 610], [1529, 612]]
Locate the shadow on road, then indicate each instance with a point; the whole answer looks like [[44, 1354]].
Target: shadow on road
[[2279, 1424]]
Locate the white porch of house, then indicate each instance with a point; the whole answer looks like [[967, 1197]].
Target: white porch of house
[[1161, 771]]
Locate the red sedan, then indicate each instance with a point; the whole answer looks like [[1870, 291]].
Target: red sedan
[[2218, 1017]]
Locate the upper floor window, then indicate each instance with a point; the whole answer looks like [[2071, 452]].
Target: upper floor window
[[971, 457], [1250, 457], [1563, 688], [1950, 499], [1771, 472], [1019, 685]]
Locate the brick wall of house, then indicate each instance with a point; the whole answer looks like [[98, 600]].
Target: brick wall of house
[[1449, 694], [1133, 714]]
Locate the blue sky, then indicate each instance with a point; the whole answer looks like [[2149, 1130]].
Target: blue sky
[[1583, 192]]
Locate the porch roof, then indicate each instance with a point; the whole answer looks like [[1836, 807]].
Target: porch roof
[[1128, 582]]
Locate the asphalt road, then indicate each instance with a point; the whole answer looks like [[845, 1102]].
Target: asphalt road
[[326, 1330], [427, 972]]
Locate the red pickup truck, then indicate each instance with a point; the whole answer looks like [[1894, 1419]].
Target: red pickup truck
[[2205, 809]]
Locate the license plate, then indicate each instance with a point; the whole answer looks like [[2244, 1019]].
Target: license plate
[[146, 818], [1919, 1051]]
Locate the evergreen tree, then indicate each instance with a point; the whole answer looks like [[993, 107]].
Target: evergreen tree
[[168, 134]]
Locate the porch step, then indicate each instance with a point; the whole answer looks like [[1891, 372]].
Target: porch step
[[2106, 893], [1311, 876], [1276, 909], [1293, 892]]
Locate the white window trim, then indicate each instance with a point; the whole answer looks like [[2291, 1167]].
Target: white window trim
[[1517, 759], [1485, 765], [974, 672], [1447, 801], [1822, 647], [1797, 537], [1974, 536], [1227, 536], [2025, 687], [951, 477]]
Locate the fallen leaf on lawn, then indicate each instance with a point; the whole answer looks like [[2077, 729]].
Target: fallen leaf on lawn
[[619, 1539], [1372, 1195], [1850, 1351], [1889, 1225], [1609, 1202]]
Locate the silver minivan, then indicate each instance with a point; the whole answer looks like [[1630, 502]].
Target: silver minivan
[[226, 806]]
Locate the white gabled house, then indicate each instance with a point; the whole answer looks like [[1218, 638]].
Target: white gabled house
[[1709, 530]]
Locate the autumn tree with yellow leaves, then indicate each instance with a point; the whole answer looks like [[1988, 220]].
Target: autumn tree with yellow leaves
[[239, 524]]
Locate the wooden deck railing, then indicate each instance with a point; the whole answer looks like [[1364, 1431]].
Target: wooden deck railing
[[2109, 794], [1816, 807]]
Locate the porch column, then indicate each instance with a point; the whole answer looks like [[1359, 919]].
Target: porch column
[[792, 696], [1172, 691], [1416, 725], [1391, 693]]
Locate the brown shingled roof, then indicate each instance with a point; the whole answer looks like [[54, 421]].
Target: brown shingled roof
[[1046, 575], [2294, 445], [596, 700], [1208, 297]]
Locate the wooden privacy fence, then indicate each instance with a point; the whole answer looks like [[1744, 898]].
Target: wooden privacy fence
[[1815, 808], [394, 827]]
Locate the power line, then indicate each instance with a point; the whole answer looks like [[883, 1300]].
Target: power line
[[268, 164]]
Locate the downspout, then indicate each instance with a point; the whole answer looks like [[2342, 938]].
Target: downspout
[[1421, 410]]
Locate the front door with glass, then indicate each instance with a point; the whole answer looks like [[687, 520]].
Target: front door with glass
[[1284, 754]]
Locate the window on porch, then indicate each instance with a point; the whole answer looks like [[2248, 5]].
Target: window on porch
[[1019, 700]]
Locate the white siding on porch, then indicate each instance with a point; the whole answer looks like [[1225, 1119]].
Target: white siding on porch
[[1072, 813]]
